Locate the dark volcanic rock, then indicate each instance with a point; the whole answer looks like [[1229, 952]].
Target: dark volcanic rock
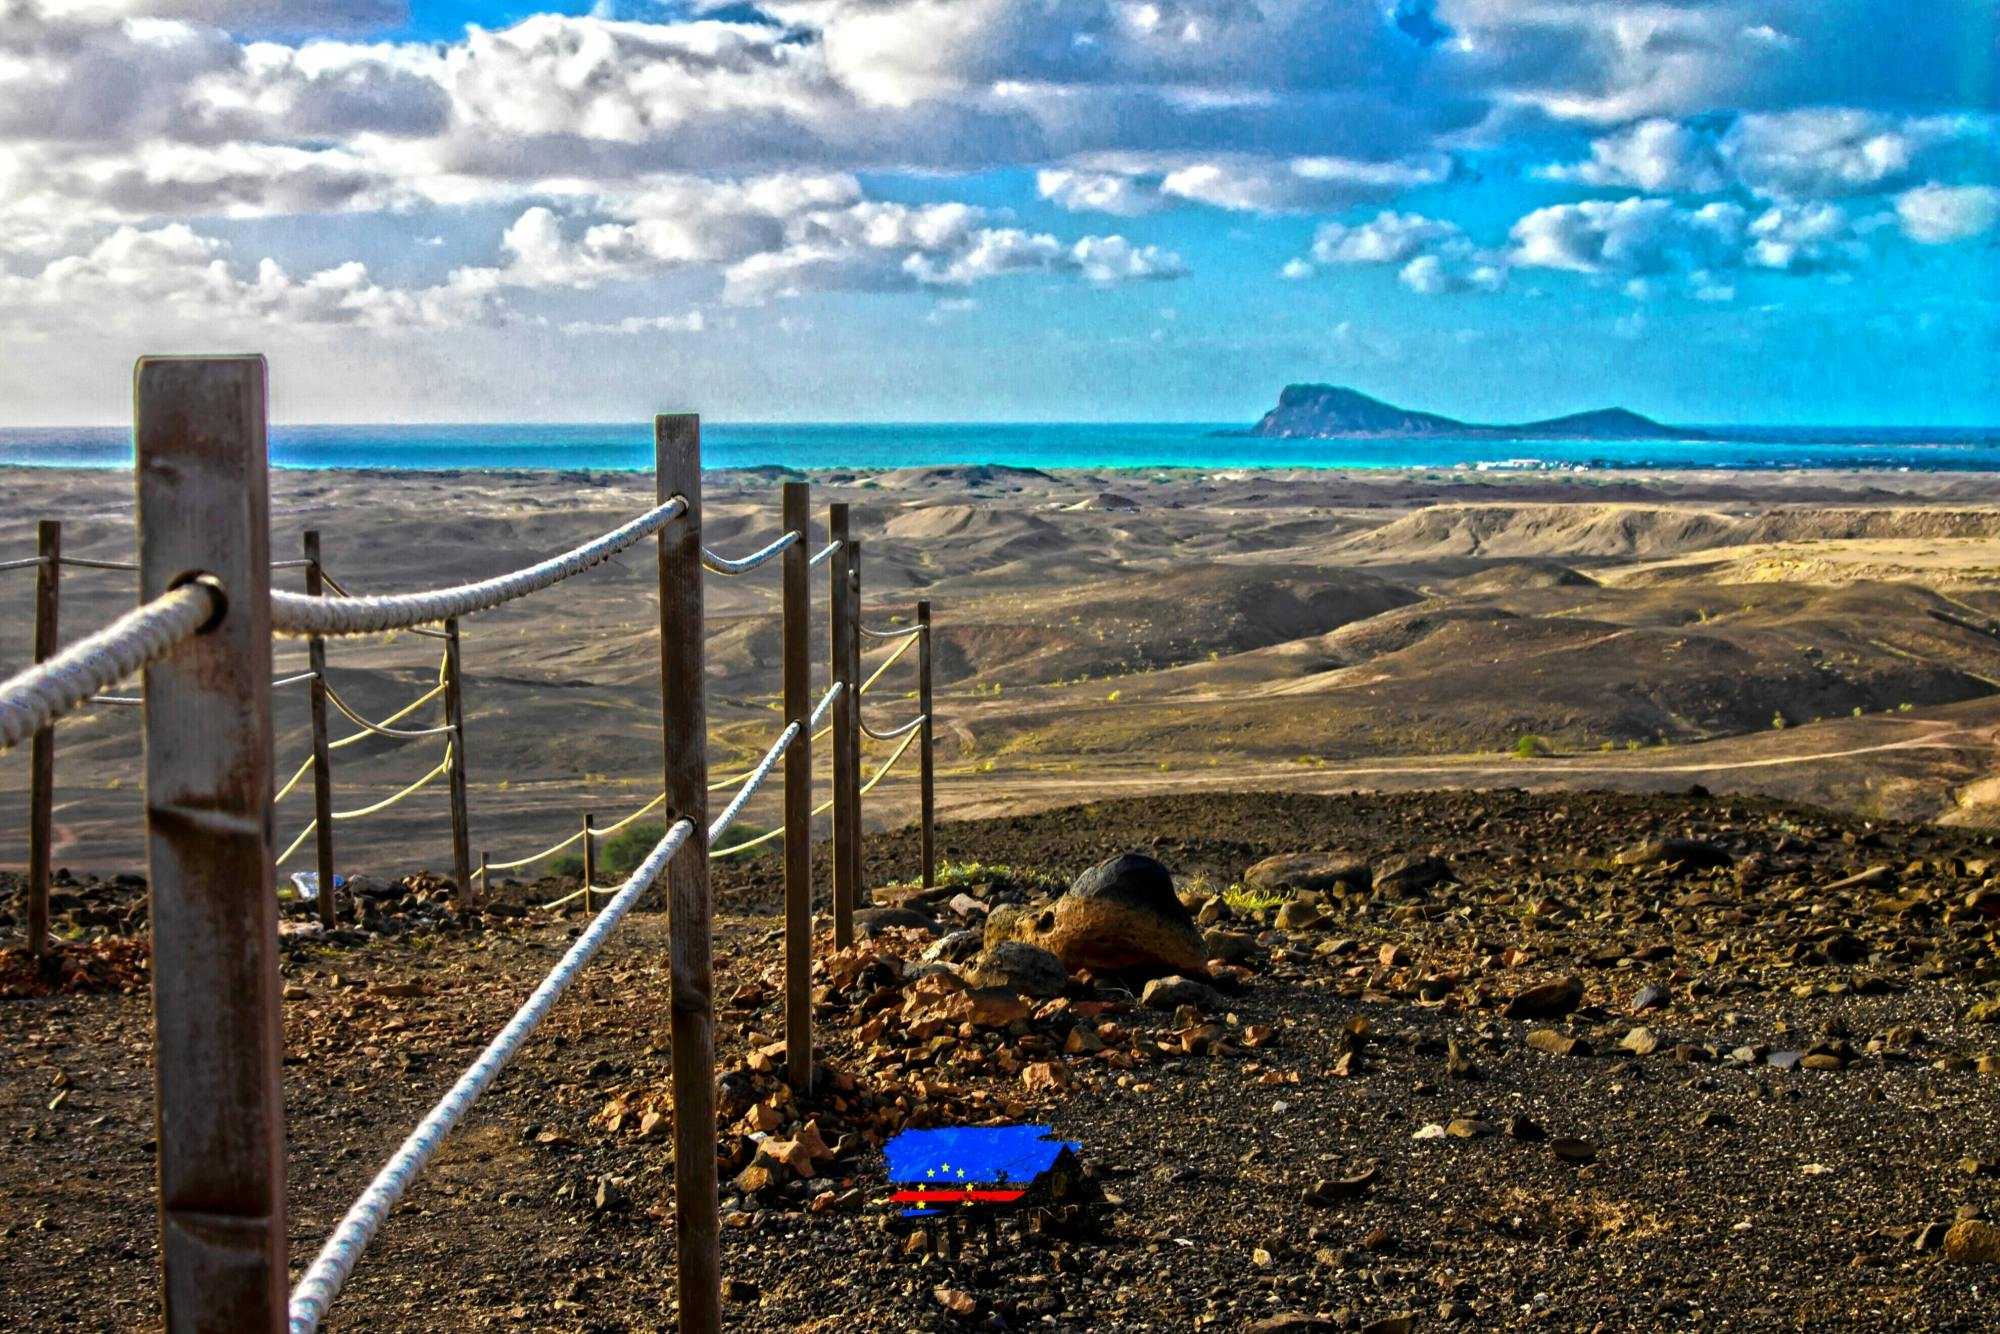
[[1690, 853], [1028, 970], [1550, 1000]]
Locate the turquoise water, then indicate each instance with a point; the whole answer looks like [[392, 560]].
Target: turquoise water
[[1119, 445]]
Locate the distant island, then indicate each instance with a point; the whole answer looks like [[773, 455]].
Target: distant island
[[1325, 411]]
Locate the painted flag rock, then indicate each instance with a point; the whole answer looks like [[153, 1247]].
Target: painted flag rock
[[993, 1168]]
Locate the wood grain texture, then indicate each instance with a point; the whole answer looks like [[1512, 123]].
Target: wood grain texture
[[203, 510]]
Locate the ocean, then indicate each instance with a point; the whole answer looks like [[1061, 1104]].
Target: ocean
[[628, 447]]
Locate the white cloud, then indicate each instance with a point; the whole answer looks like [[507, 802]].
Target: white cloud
[[1656, 155], [1097, 192], [1940, 214], [691, 322], [1629, 237], [1390, 238], [1804, 238], [1450, 275]]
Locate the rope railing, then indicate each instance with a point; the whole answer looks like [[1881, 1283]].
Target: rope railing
[[336, 1260], [378, 729], [723, 565], [297, 614], [200, 453], [605, 831], [24, 563], [35, 697], [893, 733], [905, 633]]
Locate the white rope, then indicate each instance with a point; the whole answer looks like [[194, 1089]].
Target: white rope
[[127, 701], [826, 702], [35, 697], [90, 564], [904, 730], [297, 614], [723, 565], [891, 634], [824, 552], [756, 779], [24, 563], [293, 680], [336, 1260]]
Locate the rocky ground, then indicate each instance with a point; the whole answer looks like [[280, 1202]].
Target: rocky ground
[[1462, 1060]]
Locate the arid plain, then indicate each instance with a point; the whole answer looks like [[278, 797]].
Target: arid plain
[[1829, 638]]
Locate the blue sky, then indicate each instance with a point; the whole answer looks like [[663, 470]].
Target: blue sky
[[1778, 211]]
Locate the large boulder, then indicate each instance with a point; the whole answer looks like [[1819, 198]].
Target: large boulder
[[1406, 877], [1027, 970], [1120, 915]]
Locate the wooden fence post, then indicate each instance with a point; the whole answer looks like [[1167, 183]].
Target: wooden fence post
[[322, 761], [454, 716], [42, 759], [204, 509], [684, 722], [589, 861], [798, 788], [857, 880], [926, 793], [485, 878], [845, 712]]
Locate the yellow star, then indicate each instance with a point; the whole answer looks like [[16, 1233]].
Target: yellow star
[[961, 1174], [930, 1172]]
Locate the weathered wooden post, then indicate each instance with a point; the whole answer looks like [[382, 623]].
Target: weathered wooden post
[[42, 759], [846, 711], [454, 716], [589, 861], [857, 893], [322, 761], [485, 878], [204, 510], [684, 721], [926, 794], [798, 788]]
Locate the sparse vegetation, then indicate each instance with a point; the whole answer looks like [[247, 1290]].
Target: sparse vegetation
[[1532, 748], [1241, 898]]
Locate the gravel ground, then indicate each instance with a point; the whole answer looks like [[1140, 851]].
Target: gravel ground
[[1699, 1185]]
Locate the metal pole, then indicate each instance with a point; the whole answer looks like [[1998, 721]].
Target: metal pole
[[927, 797], [454, 716], [42, 759], [845, 712], [322, 761], [684, 721], [589, 862], [857, 880], [798, 789], [204, 508]]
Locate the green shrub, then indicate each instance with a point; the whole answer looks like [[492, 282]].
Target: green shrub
[[1778, 722], [1531, 748], [566, 865]]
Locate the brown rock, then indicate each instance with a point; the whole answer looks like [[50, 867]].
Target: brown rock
[[1307, 870], [1973, 1242], [1016, 966], [1550, 1000], [1557, 1044], [1406, 876]]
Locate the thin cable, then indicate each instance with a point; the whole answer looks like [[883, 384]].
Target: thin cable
[[823, 553], [24, 563], [723, 565], [87, 563], [36, 696], [378, 729], [904, 730], [297, 614], [292, 680], [890, 634], [336, 1260]]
